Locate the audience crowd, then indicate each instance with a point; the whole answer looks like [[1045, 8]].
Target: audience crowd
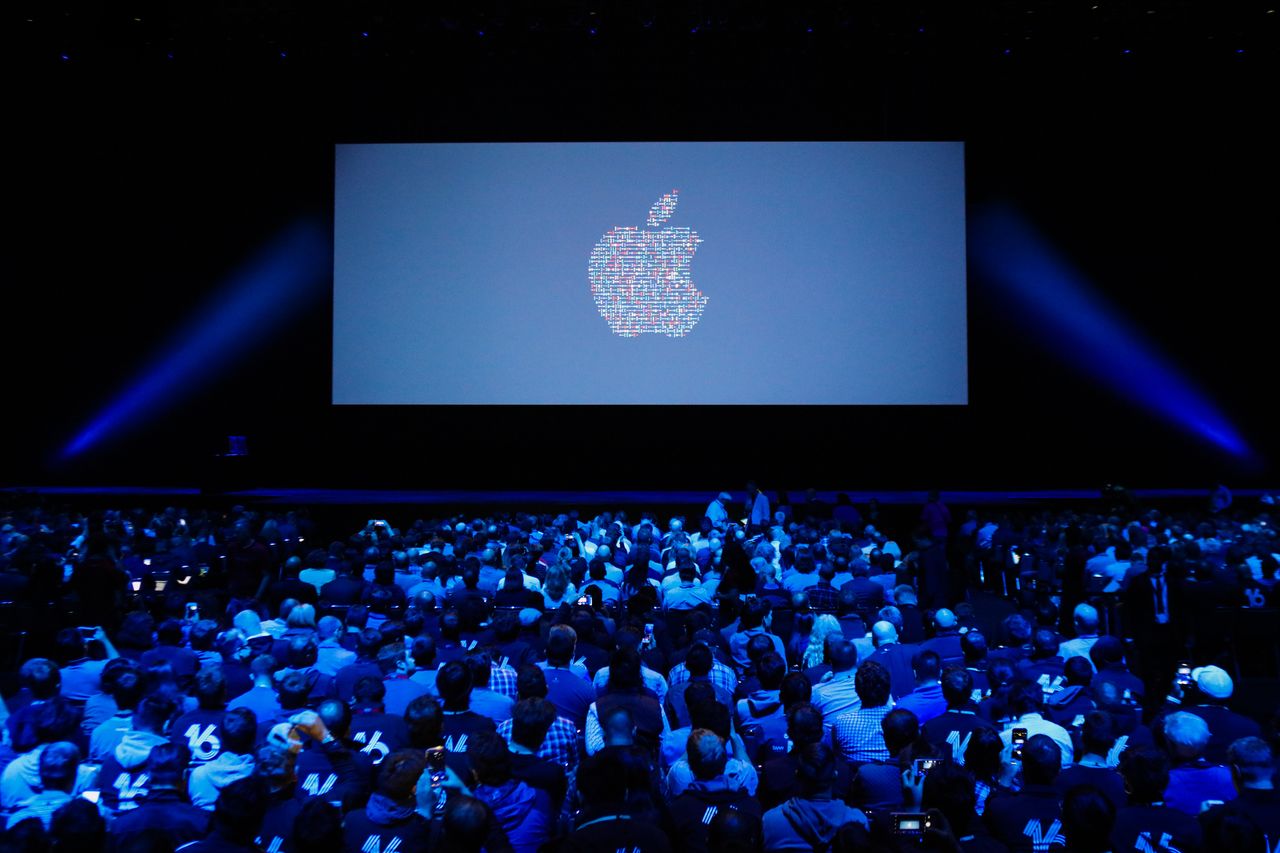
[[767, 676]]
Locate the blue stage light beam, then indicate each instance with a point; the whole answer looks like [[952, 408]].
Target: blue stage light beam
[[261, 295], [1073, 318]]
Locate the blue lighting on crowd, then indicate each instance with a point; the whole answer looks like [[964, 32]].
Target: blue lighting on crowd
[[255, 299], [1067, 312]]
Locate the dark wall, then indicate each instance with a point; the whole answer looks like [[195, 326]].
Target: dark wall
[[141, 182]]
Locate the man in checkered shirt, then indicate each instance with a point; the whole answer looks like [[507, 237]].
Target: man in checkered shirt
[[857, 734], [721, 676], [561, 743]]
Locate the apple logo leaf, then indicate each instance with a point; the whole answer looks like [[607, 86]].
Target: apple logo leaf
[[641, 280], [663, 208]]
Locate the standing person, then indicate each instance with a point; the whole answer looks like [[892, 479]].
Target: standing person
[[935, 517], [757, 507], [717, 510]]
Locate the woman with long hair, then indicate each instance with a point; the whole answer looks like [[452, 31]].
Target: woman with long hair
[[824, 625], [557, 587]]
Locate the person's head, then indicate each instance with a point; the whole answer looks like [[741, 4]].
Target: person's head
[[957, 687], [974, 647], [624, 669], [78, 826], [240, 808], [796, 689], [770, 670], [1098, 734], [927, 666], [424, 720], [398, 774], [1212, 685], [490, 759], [1146, 774], [1041, 760], [239, 731], [733, 831], [1044, 644], [1252, 763], [944, 620], [1025, 697], [901, 728], [982, 755], [453, 683], [699, 660], [275, 767], [804, 725], [1186, 734], [318, 828], [153, 713], [815, 768], [58, 764], [166, 763], [1077, 671], [302, 617], [530, 720], [42, 677], [884, 632], [949, 789], [127, 688], [619, 727], [706, 754], [871, 683], [1085, 619], [754, 613], [368, 692], [336, 716], [1017, 630], [69, 646], [1106, 652], [1088, 818]]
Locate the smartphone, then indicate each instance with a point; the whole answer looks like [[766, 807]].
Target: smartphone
[[1017, 558], [911, 824], [584, 601], [1019, 738], [408, 650], [648, 635], [87, 633], [193, 612], [91, 796], [1184, 673], [435, 759], [436, 767], [924, 765]]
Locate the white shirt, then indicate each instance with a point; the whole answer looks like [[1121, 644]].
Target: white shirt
[[1038, 725]]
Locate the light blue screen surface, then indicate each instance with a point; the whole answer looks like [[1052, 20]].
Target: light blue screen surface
[[826, 273]]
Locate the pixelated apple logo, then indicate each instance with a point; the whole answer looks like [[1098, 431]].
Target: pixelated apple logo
[[640, 279]]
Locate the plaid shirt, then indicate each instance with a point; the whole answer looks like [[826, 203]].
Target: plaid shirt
[[858, 735], [823, 597], [560, 745], [721, 676], [502, 679]]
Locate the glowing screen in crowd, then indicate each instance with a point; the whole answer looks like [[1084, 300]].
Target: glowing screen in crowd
[[825, 273]]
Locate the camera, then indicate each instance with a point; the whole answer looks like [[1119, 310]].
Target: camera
[[911, 824], [1184, 673], [924, 765]]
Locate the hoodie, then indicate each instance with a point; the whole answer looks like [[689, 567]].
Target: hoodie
[[763, 709], [807, 824], [523, 812], [210, 778], [20, 780], [123, 778], [385, 824]]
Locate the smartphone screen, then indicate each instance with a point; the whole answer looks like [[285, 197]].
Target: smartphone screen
[[1019, 738]]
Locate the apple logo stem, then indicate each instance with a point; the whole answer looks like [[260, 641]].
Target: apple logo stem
[[641, 279]]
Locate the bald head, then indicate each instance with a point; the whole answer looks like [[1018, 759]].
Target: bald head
[[944, 619], [1086, 619], [883, 632]]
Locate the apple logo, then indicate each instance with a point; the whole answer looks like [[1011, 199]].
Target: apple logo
[[640, 279]]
